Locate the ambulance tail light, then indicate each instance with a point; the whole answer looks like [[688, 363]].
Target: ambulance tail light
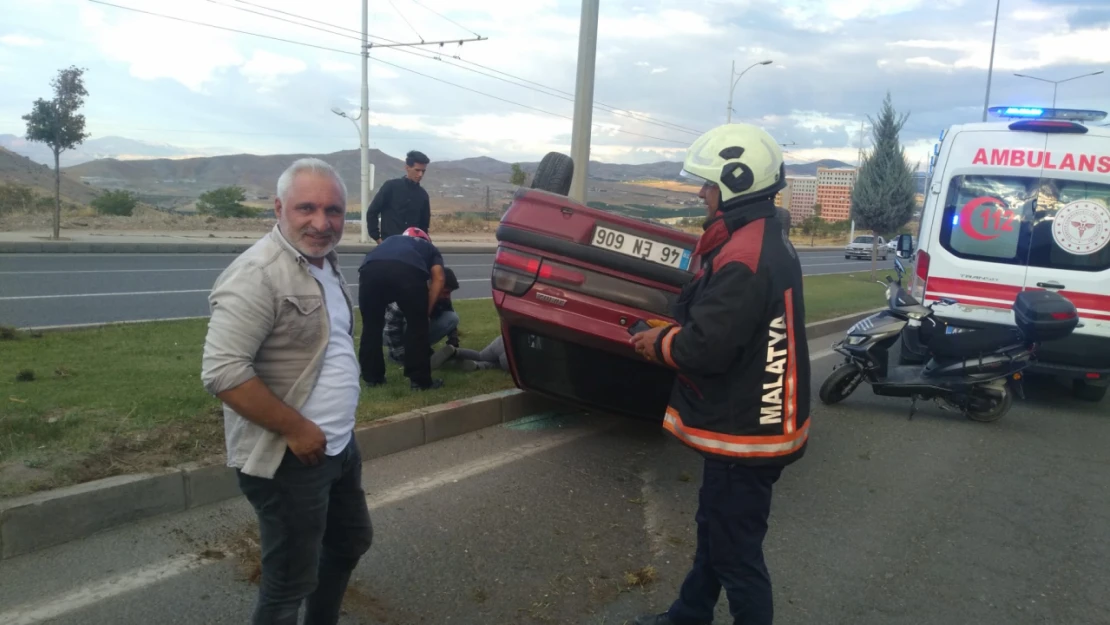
[[921, 276]]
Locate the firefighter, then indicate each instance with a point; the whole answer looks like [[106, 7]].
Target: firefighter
[[741, 395]]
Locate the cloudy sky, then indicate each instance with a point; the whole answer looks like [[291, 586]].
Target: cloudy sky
[[663, 63]]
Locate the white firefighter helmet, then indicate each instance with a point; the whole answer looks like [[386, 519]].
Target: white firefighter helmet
[[743, 160]]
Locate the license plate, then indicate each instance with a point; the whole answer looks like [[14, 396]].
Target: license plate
[[954, 330], [639, 247]]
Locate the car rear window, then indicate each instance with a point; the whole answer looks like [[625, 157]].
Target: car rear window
[[1011, 219]]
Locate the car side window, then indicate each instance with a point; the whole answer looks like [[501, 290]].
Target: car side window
[[1072, 227], [987, 217]]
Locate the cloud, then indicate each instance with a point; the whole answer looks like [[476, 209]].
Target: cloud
[[21, 41], [269, 71]]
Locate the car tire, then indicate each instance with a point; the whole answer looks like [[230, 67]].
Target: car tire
[[554, 174], [847, 257], [1088, 392]]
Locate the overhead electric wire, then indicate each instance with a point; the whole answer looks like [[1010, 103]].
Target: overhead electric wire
[[400, 67], [406, 20], [545, 89], [419, 4]]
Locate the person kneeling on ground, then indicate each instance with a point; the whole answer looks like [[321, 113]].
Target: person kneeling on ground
[[444, 323]]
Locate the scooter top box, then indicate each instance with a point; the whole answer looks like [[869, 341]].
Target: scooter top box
[[1045, 315]]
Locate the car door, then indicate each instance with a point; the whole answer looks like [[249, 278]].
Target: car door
[[1069, 252]]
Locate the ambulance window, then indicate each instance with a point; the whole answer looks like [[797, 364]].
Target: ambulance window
[[1080, 242], [985, 216]]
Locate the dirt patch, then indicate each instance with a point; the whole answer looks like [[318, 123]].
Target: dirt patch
[[201, 441]]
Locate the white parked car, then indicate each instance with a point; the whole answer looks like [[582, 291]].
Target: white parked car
[[860, 247]]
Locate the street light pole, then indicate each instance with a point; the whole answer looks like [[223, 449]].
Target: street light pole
[[584, 100], [1056, 83], [734, 80], [990, 68], [364, 196]]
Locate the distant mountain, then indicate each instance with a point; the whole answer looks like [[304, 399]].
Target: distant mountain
[[22, 170], [810, 169], [119, 148]]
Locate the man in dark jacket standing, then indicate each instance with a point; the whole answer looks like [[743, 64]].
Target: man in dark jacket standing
[[741, 397], [401, 203]]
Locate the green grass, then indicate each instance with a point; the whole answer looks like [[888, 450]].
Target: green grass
[[125, 398], [836, 295], [81, 405]]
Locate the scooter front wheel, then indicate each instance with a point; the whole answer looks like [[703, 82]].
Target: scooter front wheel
[[840, 384]]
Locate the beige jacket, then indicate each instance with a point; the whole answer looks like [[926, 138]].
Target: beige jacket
[[268, 320]]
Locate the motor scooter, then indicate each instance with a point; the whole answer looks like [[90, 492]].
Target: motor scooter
[[974, 372]]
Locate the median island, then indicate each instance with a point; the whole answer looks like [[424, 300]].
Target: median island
[[81, 405]]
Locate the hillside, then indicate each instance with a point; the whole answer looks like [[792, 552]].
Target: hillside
[[24, 171]]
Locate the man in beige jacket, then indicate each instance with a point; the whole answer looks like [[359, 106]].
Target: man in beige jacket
[[280, 355]]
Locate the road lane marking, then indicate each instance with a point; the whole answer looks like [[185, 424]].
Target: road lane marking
[[476, 467], [136, 293], [105, 589], [108, 588]]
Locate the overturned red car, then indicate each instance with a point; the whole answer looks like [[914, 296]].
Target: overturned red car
[[572, 284]]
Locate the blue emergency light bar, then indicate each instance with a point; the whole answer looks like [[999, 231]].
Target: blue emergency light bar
[[1034, 112]]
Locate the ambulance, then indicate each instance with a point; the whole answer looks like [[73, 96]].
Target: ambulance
[[1022, 203]]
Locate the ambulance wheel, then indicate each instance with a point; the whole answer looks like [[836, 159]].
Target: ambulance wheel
[[998, 408], [1088, 392], [840, 384], [554, 174]]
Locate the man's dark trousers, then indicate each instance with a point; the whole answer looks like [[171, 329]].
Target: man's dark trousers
[[315, 525], [380, 284], [733, 507]]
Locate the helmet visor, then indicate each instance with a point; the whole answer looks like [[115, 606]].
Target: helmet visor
[[694, 178]]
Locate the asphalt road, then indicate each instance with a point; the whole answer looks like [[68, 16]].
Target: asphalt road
[[885, 521], [38, 290]]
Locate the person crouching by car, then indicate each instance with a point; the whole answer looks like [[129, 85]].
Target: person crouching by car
[[406, 269], [444, 323]]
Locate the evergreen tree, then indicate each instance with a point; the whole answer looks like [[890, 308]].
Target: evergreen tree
[[883, 197]]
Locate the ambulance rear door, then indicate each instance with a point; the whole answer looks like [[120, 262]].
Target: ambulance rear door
[[1069, 250]]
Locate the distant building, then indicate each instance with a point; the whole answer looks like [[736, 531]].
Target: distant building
[[799, 197], [834, 192]]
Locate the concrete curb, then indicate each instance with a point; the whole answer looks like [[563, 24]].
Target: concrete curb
[[42, 520], [96, 247], [35, 522]]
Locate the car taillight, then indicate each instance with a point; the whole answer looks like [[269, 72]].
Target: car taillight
[[1093, 376], [514, 272], [921, 275], [554, 273]]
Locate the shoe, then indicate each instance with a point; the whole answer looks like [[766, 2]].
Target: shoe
[[657, 619], [469, 366], [434, 385]]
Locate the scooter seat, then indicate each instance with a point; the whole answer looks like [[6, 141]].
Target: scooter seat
[[964, 345]]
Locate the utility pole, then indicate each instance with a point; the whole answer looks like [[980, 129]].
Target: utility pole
[[990, 68], [364, 120], [584, 100], [488, 214], [367, 169]]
